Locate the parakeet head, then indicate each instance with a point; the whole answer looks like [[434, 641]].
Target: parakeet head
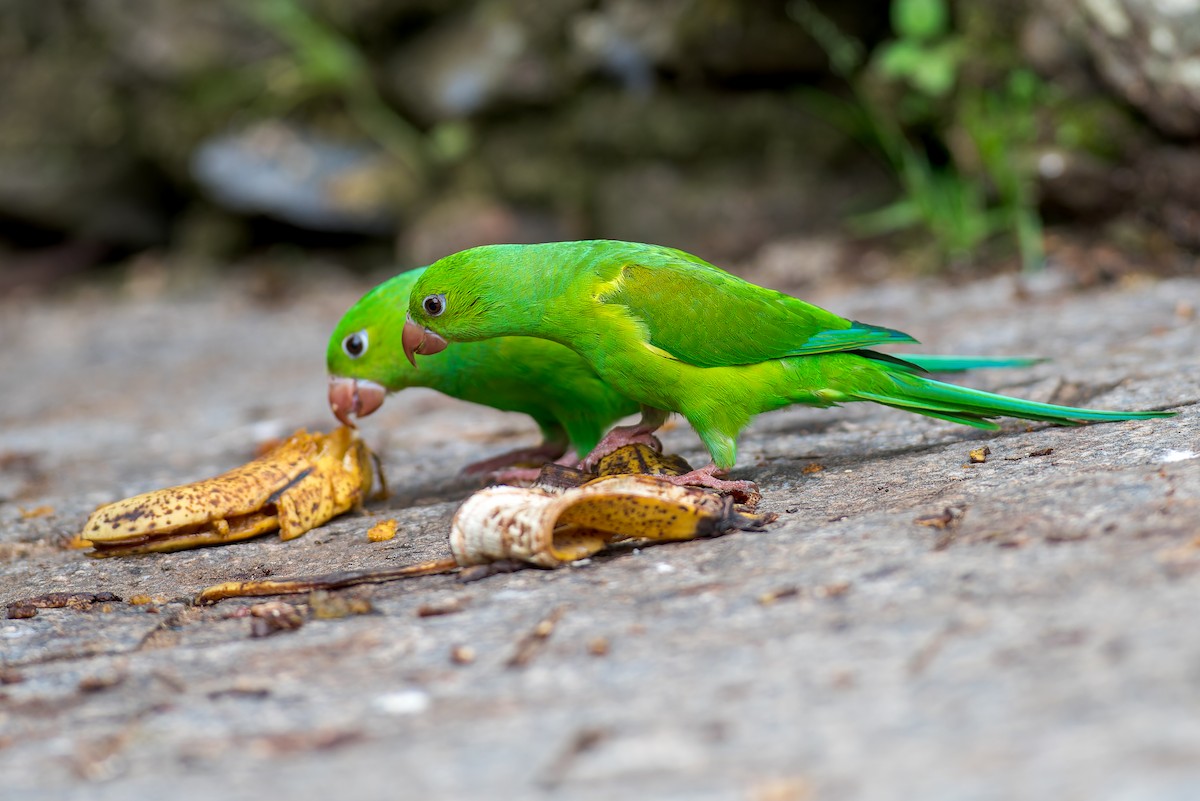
[[365, 357], [464, 297]]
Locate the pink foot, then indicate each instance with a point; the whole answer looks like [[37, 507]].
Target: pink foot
[[708, 476], [619, 437], [514, 475], [546, 452], [528, 475]]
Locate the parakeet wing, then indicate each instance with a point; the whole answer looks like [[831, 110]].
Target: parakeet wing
[[704, 316]]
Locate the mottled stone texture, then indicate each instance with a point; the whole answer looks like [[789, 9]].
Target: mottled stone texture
[[1040, 644], [1148, 51]]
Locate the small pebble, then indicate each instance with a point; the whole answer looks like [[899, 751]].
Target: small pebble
[[402, 702]]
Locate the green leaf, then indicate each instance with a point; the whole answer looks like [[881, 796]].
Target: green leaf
[[898, 216], [899, 59], [844, 51], [920, 19], [1024, 85], [934, 76], [451, 141]]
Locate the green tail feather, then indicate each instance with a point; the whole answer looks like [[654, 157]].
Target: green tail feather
[[973, 407], [858, 335], [958, 364]]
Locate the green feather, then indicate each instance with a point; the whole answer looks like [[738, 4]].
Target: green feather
[[973, 406], [959, 364], [742, 327], [675, 333], [544, 380]]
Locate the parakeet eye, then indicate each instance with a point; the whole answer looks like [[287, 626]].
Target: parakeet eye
[[434, 305], [355, 345]]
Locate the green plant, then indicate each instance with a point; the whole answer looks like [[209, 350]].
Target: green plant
[[320, 61], [1002, 125], [925, 54], [908, 103]]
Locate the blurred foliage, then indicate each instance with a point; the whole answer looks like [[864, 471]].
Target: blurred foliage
[[960, 148], [417, 127], [924, 54], [321, 60]]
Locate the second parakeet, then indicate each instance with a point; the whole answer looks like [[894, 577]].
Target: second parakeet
[[545, 380], [677, 334]]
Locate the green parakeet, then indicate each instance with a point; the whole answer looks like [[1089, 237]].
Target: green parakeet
[[545, 380], [677, 334]]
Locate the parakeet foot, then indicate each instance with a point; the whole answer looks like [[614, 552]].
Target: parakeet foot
[[528, 475], [546, 452], [619, 437], [709, 476]]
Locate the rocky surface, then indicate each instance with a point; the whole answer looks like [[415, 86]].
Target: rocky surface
[[1146, 50], [1039, 644], [164, 123]]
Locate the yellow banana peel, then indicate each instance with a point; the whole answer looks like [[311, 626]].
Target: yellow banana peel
[[298, 485], [543, 527], [548, 528]]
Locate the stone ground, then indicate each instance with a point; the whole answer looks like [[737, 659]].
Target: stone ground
[[1044, 647]]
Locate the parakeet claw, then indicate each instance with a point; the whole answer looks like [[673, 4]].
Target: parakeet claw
[[538, 455], [348, 396], [417, 339], [709, 476], [529, 475]]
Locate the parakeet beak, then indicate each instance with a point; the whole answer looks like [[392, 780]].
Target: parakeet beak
[[348, 396], [419, 340]]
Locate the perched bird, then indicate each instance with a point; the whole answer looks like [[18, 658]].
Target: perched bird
[[544, 380], [677, 334]]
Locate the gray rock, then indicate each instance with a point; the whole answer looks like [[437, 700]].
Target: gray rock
[[1146, 50], [629, 40], [300, 177], [468, 64], [724, 211], [1170, 192], [1040, 646], [460, 222], [66, 163], [170, 41]]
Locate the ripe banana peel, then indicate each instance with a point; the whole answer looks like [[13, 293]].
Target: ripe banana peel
[[298, 485], [545, 527], [548, 528]]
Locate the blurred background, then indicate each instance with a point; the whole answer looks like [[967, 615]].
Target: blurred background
[[168, 141]]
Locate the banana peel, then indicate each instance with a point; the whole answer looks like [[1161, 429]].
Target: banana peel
[[303, 482], [636, 459], [550, 527]]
